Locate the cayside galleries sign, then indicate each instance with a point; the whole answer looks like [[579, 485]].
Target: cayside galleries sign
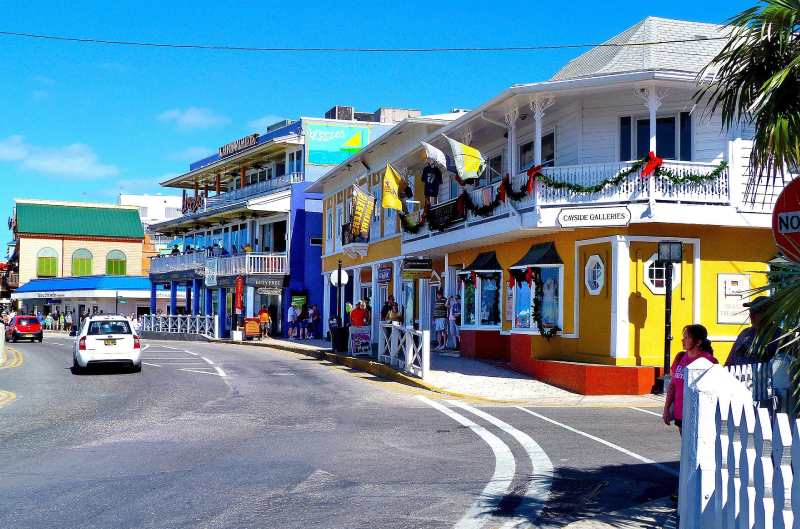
[[594, 217], [237, 145]]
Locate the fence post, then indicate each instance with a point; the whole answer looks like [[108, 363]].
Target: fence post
[[796, 472], [762, 478], [425, 361], [782, 478], [395, 339], [747, 461]]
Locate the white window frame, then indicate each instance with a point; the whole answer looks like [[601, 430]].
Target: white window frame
[[329, 231], [375, 223], [676, 115], [588, 275], [478, 325], [660, 291], [532, 140], [533, 329], [337, 241]]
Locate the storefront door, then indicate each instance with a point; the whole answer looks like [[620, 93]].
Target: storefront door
[[407, 300]]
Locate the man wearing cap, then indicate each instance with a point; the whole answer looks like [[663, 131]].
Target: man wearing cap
[[741, 352]]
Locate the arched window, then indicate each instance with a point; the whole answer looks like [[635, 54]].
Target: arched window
[[82, 262], [115, 263], [47, 263]]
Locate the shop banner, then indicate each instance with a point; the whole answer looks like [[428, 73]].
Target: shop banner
[[239, 295], [363, 209], [360, 340], [731, 294]]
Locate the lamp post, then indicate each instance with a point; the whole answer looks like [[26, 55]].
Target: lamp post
[[669, 253], [338, 292]]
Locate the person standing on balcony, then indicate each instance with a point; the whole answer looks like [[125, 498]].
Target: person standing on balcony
[[432, 178], [440, 320], [175, 250], [358, 316]]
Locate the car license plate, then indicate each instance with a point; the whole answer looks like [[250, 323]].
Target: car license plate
[[27, 335], [110, 342]]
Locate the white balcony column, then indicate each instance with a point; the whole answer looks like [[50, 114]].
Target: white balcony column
[[356, 285], [511, 144], [326, 302], [375, 317], [396, 279], [652, 98], [538, 106]]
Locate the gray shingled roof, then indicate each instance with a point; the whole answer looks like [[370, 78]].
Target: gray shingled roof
[[683, 56]]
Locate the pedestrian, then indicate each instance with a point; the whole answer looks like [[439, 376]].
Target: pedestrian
[[394, 315], [454, 320], [291, 317], [264, 322], [440, 320], [387, 307], [302, 321], [743, 351], [358, 316], [367, 311], [310, 321], [175, 250]]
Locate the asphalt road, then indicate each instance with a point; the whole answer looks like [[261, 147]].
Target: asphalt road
[[224, 436]]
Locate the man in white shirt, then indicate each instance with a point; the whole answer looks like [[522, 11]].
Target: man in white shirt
[[292, 316]]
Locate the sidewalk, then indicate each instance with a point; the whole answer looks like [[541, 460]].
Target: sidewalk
[[465, 378], [658, 514]]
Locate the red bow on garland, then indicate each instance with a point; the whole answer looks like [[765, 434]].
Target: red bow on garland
[[511, 281], [653, 163], [473, 277], [529, 276], [532, 172], [501, 191]]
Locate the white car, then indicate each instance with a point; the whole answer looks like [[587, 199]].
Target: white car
[[105, 339]]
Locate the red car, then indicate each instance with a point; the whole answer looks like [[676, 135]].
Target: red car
[[24, 327]]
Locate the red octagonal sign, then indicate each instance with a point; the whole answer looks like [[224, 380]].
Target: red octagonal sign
[[786, 221]]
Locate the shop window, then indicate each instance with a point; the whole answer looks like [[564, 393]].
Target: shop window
[[655, 275], [116, 263], [481, 299], [47, 263], [551, 304], [82, 262], [594, 275]]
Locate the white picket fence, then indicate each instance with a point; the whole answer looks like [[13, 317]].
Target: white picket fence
[[737, 461], [204, 325], [755, 377], [405, 349]]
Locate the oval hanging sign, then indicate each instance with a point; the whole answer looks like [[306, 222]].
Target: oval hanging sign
[[786, 221]]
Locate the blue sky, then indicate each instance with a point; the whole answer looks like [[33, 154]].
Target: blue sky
[[84, 122]]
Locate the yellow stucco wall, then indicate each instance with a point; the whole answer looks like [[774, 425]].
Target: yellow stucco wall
[[377, 251]]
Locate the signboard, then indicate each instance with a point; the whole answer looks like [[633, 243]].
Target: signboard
[[299, 300], [594, 217], [238, 300], [266, 282], [384, 274], [263, 291], [238, 145], [212, 265], [417, 264], [332, 143], [192, 203], [252, 328], [786, 221], [360, 340], [732, 292]]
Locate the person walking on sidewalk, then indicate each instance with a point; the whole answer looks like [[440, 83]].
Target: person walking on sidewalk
[[440, 320], [454, 320], [264, 321]]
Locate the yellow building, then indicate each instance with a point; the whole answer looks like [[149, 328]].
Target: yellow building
[[553, 250]]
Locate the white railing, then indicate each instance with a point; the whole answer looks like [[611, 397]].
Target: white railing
[[405, 349], [176, 263], [740, 466], [253, 263], [756, 378], [180, 324], [259, 188]]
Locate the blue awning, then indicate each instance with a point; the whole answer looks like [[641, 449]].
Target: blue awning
[[85, 283]]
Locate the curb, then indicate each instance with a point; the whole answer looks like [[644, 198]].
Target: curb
[[368, 366]]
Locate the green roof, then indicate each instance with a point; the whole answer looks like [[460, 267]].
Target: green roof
[[87, 221]]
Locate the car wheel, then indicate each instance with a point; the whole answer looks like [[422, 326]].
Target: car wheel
[[40, 339], [76, 367], [14, 338], [137, 368]]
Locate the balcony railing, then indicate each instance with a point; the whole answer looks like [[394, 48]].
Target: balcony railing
[[633, 189], [253, 263], [348, 237], [252, 190], [177, 263]]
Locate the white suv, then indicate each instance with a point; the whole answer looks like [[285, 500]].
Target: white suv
[[106, 339]]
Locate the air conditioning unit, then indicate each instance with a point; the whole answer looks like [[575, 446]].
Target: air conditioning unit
[[278, 125], [340, 112]]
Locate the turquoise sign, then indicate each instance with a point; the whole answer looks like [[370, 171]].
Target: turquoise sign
[[331, 143]]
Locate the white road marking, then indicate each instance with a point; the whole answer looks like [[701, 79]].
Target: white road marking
[[149, 364], [538, 490], [198, 370], [145, 347], [488, 501], [207, 360], [191, 353], [609, 444], [183, 363], [645, 411], [165, 358], [220, 372]]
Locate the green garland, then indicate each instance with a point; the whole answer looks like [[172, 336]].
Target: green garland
[[537, 307], [679, 179]]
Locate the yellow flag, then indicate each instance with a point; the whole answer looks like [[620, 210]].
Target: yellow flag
[[469, 160], [391, 184], [363, 207]]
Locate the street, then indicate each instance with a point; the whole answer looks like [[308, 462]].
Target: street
[[223, 436]]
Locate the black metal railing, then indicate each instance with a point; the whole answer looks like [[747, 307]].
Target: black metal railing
[[349, 238]]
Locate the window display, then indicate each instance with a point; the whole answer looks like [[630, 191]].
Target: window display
[[550, 304], [490, 298], [522, 305], [468, 313]]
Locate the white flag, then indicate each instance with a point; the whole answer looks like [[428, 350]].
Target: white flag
[[435, 155]]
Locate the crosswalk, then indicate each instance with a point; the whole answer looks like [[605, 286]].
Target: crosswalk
[[169, 357]]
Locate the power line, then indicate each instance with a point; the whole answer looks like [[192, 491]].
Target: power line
[[224, 47]]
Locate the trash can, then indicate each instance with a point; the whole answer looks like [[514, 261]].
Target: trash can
[[339, 338]]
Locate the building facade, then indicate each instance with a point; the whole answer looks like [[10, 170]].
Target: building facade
[[76, 256], [250, 236], [553, 250]]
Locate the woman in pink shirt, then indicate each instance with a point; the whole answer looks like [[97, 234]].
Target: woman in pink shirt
[[695, 345]]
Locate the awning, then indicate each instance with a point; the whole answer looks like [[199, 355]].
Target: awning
[[539, 254], [92, 287], [486, 261]]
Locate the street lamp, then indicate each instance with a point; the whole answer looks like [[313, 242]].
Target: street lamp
[[669, 253]]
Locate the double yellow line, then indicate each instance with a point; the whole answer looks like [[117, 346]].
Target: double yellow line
[[7, 397], [12, 358]]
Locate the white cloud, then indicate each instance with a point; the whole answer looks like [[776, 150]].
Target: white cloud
[[190, 154], [261, 124], [193, 118], [76, 160], [39, 95]]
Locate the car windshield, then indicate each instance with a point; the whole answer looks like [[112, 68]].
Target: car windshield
[[108, 327], [27, 321]]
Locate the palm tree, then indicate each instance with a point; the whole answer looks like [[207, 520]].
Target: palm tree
[[756, 83]]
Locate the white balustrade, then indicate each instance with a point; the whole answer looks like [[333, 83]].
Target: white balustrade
[[738, 461], [405, 349], [249, 191], [177, 263], [203, 325], [253, 263]]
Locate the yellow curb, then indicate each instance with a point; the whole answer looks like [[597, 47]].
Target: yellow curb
[[7, 397]]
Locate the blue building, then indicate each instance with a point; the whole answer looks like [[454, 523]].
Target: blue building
[[249, 235]]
